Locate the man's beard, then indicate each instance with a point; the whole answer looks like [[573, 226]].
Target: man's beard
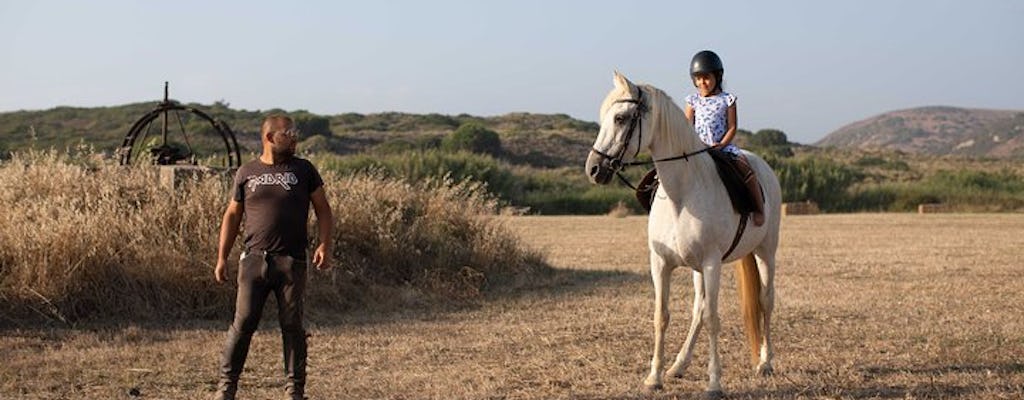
[[283, 154]]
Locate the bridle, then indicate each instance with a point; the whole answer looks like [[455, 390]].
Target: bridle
[[636, 124]]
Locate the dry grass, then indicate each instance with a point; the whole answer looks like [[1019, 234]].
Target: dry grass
[[870, 306], [81, 238], [84, 240]]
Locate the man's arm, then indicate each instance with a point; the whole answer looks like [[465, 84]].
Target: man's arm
[[325, 224], [228, 231]]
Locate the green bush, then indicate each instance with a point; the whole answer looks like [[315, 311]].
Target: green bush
[[962, 190], [416, 166], [311, 124], [590, 201], [402, 145], [767, 142], [883, 163], [473, 137], [815, 179], [769, 137]]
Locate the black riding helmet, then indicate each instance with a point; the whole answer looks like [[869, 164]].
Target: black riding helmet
[[708, 62]]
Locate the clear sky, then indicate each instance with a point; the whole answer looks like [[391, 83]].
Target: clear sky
[[805, 67]]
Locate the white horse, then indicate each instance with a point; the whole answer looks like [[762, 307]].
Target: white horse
[[692, 223]]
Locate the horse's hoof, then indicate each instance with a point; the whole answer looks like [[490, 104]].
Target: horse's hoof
[[652, 387], [714, 395], [675, 373], [765, 370]]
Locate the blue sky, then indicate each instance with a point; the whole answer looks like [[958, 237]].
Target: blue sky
[[805, 67]]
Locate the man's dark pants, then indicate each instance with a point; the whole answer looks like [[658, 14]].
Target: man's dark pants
[[260, 274]]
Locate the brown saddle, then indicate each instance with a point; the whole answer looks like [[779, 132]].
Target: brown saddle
[[732, 176]]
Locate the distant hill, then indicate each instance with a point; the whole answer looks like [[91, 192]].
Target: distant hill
[[542, 140], [936, 131]]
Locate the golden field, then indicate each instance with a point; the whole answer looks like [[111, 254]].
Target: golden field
[[869, 306]]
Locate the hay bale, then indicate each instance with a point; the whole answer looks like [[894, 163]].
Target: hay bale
[[620, 210], [933, 208], [801, 208]]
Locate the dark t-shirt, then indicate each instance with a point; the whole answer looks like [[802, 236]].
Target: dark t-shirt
[[275, 200]]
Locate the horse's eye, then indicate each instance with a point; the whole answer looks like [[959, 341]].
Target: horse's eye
[[620, 119]]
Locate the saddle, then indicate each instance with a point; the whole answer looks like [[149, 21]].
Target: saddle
[[732, 175]]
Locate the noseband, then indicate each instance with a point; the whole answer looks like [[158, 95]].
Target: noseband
[[636, 124]]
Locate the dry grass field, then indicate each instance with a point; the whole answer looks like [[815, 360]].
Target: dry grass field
[[869, 306]]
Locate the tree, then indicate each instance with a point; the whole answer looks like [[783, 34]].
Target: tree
[[473, 137], [311, 124], [771, 141], [742, 138], [768, 138]]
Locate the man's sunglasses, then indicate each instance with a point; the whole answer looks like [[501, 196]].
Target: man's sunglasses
[[291, 133]]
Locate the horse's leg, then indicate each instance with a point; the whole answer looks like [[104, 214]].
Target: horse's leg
[[661, 274], [686, 353], [766, 269], [712, 277]]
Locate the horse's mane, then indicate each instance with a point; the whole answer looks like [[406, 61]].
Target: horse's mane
[[670, 119], [666, 115]]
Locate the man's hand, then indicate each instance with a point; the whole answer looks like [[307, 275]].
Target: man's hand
[[220, 273], [322, 257]]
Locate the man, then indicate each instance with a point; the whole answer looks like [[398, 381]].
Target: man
[[273, 193]]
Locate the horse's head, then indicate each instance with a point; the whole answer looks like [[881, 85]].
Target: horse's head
[[623, 115]]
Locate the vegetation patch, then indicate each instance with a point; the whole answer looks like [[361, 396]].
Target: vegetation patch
[[82, 238]]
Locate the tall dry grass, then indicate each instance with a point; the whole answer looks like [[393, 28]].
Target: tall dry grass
[[81, 238], [399, 243]]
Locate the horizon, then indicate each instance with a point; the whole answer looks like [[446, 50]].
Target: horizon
[[490, 115], [855, 60]]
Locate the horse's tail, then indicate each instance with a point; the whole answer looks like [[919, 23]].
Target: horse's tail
[[748, 284]]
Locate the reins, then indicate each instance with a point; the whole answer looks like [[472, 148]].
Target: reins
[[622, 165]]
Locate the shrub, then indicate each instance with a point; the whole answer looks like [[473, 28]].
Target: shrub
[[417, 166], [769, 142], [439, 238], [879, 162], [769, 137], [85, 239], [311, 124], [473, 137], [403, 145], [815, 179]]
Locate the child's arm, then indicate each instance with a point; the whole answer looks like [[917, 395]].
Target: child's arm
[[730, 132], [688, 111]]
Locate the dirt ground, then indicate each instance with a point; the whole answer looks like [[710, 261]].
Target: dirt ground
[[869, 306]]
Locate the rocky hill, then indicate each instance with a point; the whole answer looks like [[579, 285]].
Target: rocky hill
[[937, 131]]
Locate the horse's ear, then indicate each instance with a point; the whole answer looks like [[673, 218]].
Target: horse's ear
[[621, 82]]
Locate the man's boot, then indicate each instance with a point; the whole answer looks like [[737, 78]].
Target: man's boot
[[232, 360], [226, 390], [295, 363]]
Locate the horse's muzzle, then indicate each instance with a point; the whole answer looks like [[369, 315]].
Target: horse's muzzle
[[599, 168]]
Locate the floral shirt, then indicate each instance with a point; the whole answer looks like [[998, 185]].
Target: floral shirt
[[710, 118]]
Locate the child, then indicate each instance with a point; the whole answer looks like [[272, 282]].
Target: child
[[712, 112]]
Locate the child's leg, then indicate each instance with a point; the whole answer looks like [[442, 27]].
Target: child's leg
[[750, 179]]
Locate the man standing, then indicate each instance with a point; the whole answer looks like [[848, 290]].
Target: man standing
[[273, 193]]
